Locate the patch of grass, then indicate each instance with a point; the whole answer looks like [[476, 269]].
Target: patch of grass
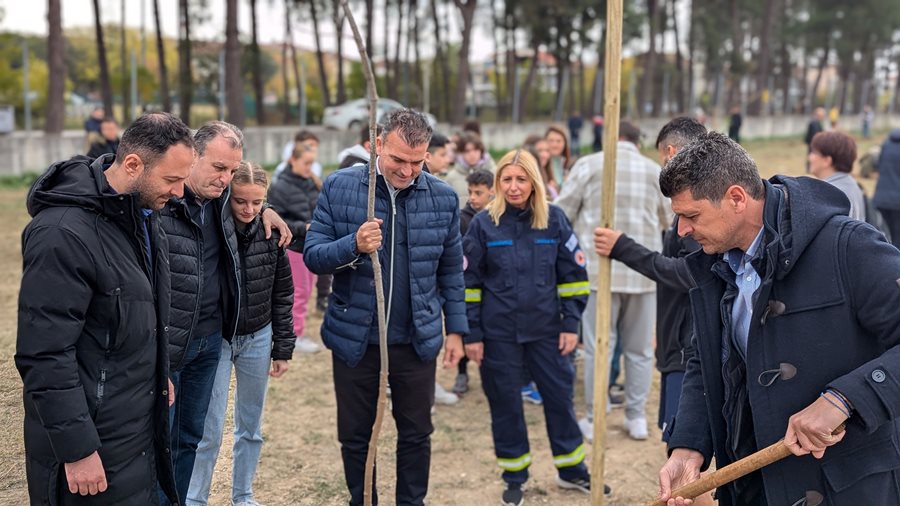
[[19, 181]]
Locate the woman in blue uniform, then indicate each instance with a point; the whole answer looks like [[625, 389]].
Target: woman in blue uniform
[[526, 286]]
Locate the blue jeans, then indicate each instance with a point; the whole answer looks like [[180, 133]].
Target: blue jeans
[[193, 386], [251, 355]]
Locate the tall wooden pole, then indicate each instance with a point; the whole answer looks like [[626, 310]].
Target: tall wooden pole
[[372, 95], [612, 85]]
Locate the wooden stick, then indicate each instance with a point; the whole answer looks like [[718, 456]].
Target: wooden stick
[[372, 94], [612, 86], [754, 462]]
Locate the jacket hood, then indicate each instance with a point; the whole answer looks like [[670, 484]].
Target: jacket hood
[[355, 150], [78, 182], [894, 136], [796, 209]]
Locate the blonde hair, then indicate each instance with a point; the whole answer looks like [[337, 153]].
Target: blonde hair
[[540, 209], [250, 173]]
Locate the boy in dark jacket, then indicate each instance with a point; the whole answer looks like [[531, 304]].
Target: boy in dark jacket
[[93, 316]]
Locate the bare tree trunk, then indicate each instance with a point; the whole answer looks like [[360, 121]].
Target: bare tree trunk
[[393, 83], [338, 17], [679, 61], [370, 10], [56, 103], [786, 66], [498, 85], [417, 65], [126, 91], [185, 79], [509, 29], [295, 64], [444, 79], [844, 75], [234, 82], [258, 91], [529, 80], [105, 88], [467, 9], [759, 104], [286, 104], [645, 90], [320, 57], [737, 58], [161, 55], [823, 61], [692, 40]]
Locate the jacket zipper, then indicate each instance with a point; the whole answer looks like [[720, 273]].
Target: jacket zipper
[[391, 271], [232, 255]]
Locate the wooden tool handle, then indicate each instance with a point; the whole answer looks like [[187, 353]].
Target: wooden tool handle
[[762, 458]]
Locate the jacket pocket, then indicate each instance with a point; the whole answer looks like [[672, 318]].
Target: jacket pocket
[[545, 260], [870, 471]]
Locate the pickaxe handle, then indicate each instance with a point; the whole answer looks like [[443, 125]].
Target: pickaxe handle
[[771, 454]]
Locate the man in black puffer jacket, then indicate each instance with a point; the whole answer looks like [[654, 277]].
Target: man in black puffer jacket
[[91, 346], [205, 284]]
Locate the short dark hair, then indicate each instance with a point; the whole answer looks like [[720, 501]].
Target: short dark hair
[[630, 132], [708, 167], [212, 129], [839, 146], [151, 135], [411, 126], [438, 140], [472, 125], [679, 132], [480, 176], [364, 133], [305, 135]]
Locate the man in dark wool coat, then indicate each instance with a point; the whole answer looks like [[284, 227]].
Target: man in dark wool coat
[[797, 325], [93, 313]]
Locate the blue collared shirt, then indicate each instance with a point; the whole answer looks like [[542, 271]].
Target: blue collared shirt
[[145, 214], [747, 280]]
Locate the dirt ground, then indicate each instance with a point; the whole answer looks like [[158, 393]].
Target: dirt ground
[[301, 461]]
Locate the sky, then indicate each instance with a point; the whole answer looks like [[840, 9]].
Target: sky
[[31, 17]]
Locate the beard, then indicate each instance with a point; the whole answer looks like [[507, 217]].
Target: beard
[[147, 199]]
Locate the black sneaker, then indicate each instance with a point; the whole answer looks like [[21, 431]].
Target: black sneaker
[[461, 385], [581, 485], [513, 495], [616, 395]]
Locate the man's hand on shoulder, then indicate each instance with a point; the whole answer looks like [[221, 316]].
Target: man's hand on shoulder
[[271, 221], [86, 476]]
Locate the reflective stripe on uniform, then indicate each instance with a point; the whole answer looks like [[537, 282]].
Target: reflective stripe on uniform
[[570, 459], [573, 289], [473, 294], [517, 464]]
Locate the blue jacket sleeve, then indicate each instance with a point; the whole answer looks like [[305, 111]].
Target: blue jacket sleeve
[[324, 252], [473, 246], [451, 284], [571, 276], [872, 268]]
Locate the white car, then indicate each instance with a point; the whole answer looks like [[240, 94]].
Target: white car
[[355, 113]]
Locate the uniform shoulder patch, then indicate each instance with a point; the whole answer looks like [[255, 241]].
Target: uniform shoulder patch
[[572, 243], [580, 258]]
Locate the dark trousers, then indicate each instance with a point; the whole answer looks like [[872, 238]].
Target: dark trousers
[[502, 369], [193, 389], [412, 395], [892, 220]]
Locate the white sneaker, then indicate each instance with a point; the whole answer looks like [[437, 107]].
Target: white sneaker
[[304, 344], [637, 428], [587, 429], [442, 396]]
